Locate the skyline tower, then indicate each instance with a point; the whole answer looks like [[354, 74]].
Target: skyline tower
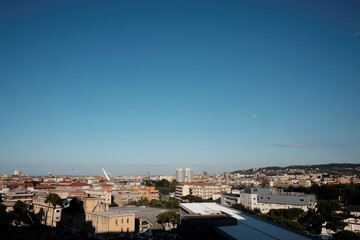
[[184, 175]]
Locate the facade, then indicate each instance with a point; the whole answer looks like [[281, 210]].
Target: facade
[[50, 215], [266, 199], [96, 219], [11, 197], [106, 223], [199, 189], [180, 175], [124, 197], [184, 175], [148, 192]]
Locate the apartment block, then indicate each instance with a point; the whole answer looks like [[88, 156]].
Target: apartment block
[[200, 189]]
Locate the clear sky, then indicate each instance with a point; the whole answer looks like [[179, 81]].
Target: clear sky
[[137, 86]]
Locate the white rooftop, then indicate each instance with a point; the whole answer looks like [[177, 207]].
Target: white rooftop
[[247, 228]]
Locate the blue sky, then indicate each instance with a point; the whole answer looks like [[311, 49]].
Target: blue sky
[[137, 86]]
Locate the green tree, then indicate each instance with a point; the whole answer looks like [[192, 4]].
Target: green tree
[[191, 198], [165, 187], [52, 198], [167, 216], [312, 221]]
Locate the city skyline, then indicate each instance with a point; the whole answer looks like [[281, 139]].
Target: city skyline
[[153, 86]]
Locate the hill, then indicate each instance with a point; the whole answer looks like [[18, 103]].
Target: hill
[[332, 168]]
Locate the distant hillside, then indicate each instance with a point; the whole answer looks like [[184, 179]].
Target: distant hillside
[[332, 168]]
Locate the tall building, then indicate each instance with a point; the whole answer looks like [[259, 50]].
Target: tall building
[[180, 175], [184, 175], [188, 175]]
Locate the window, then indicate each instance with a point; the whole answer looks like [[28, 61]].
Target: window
[[127, 220], [301, 200]]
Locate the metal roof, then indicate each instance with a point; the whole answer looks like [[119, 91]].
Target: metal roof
[[248, 227]]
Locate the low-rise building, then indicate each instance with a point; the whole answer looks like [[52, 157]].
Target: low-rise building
[[107, 223], [148, 192], [95, 218], [266, 199], [124, 197], [200, 189], [11, 197], [50, 214]]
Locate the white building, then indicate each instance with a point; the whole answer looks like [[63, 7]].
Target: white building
[[200, 189], [266, 199], [184, 175]]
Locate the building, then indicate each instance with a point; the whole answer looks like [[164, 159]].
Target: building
[[11, 197], [106, 223], [95, 218], [50, 214], [180, 175], [200, 189], [266, 199], [184, 175], [353, 222], [213, 221], [124, 197], [148, 192]]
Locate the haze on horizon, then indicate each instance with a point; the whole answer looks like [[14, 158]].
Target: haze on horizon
[[137, 86]]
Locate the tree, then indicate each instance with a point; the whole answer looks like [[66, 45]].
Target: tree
[[3, 213], [168, 219], [191, 198], [346, 235], [291, 213], [167, 216], [53, 199], [20, 207], [312, 221]]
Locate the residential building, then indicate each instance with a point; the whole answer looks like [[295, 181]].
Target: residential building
[[96, 219], [124, 197], [148, 192], [266, 199], [50, 214], [11, 197], [200, 189], [184, 175], [107, 223]]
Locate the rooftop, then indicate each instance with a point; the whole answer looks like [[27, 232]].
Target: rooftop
[[248, 227]]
